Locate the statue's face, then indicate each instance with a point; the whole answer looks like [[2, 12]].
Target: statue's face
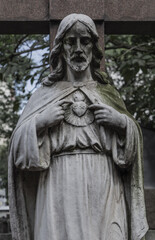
[[77, 47]]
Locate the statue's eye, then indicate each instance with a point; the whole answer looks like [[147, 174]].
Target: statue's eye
[[85, 40], [71, 41]]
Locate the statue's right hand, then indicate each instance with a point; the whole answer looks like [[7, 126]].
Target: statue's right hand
[[52, 115]]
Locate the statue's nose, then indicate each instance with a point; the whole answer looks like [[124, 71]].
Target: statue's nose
[[78, 46]]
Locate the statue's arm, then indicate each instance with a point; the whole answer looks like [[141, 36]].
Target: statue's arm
[[50, 117], [108, 116], [30, 150], [31, 141], [125, 146], [124, 133]]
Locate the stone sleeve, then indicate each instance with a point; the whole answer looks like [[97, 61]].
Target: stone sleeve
[[124, 148], [30, 151]]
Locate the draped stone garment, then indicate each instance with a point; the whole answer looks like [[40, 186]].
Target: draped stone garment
[[36, 159], [81, 196]]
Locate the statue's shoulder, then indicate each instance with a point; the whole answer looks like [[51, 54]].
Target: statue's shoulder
[[40, 97], [41, 92], [112, 96], [108, 89]]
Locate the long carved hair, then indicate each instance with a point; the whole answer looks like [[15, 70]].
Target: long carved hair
[[57, 61]]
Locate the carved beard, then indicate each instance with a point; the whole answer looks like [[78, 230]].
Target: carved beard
[[77, 66]]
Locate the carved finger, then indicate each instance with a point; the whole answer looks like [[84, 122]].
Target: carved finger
[[98, 106], [101, 111], [60, 118], [102, 121], [61, 102], [61, 112], [99, 122], [99, 116], [94, 106]]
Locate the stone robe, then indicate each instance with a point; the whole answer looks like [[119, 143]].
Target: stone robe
[[79, 180]]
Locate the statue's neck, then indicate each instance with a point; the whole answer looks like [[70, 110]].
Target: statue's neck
[[83, 76]]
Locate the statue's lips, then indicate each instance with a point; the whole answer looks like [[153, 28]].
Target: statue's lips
[[78, 59]]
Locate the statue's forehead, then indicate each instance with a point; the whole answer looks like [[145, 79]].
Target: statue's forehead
[[78, 29]]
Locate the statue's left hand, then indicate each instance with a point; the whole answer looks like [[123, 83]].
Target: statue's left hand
[[106, 115]]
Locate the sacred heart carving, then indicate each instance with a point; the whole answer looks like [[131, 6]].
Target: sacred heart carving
[[79, 108], [78, 114]]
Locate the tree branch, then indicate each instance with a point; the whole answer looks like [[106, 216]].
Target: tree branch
[[34, 67], [20, 41], [20, 53]]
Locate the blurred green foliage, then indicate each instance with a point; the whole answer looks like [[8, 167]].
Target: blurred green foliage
[[130, 61]]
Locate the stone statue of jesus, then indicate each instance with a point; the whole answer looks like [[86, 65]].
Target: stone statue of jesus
[[75, 170]]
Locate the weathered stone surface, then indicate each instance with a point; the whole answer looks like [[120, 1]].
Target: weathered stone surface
[[5, 236], [128, 17], [133, 10], [149, 176], [25, 10], [100, 29], [109, 10], [150, 235], [4, 225], [149, 157], [150, 207], [60, 8]]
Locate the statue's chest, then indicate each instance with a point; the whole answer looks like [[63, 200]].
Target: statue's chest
[[78, 113]]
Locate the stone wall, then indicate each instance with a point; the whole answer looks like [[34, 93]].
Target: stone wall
[[5, 236]]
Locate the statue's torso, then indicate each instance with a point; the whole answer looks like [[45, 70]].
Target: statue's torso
[[78, 130], [81, 195]]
